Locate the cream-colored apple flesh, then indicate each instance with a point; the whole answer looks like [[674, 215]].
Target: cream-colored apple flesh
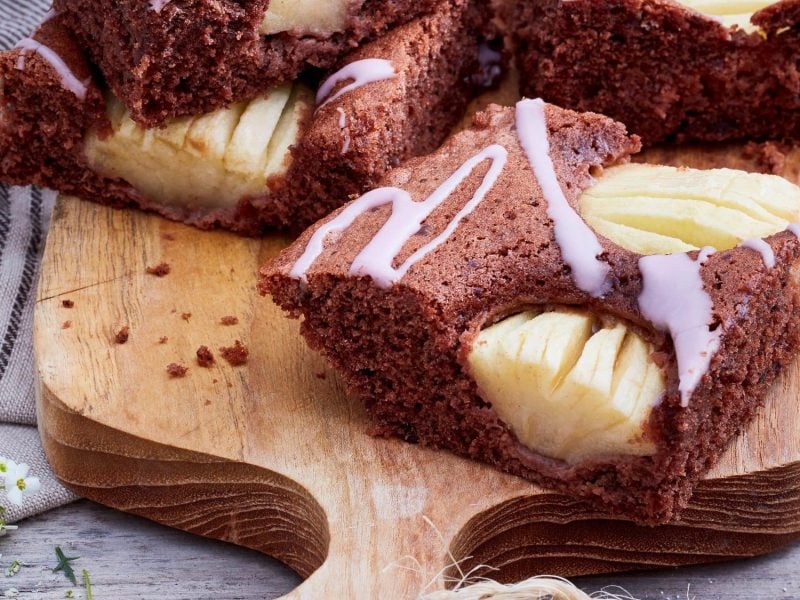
[[574, 387], [322, 18], [730, 12], [653, 209], [569, 386], [206, 162]]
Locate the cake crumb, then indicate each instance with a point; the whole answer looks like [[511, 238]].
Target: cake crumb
[[204, 357], [176, 371], [322, 376], [67, 304], [168, 236], [160, 270], [236, 355], [207, 403], [122, 335], [186, 316], [215, 381], [163, 339], [229, 320], [769, 157], [66, 325]]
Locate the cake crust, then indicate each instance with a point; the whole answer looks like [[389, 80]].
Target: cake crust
[[403, 347]]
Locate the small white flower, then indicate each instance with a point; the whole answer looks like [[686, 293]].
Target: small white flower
[[3, 468], [4, 529], [17, 483], [13, 568]]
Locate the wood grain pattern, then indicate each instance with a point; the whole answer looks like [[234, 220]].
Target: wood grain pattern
[[274, 455]]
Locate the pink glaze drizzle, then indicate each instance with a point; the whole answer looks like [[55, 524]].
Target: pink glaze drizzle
[[406, 219], [763, 248], [579, 245], [157, 5], [362, 72], [674, 298], [48, 16], [65, 74]]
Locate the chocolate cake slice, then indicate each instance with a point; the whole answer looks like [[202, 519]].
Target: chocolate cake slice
[[526, 297], [170, 58], [282, 159], [698, 70]]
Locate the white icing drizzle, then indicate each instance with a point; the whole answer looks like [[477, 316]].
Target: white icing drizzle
[[345, 130], [674, 299], [763, 248], [794, 228], [48, 16], [157, 5], [579, 245], [406, 219], [361, 72], [65, 74]]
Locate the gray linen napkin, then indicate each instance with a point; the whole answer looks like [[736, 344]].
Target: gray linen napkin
[[24, 216]]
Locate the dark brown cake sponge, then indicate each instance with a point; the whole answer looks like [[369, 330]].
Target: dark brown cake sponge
[[41, 118], [194, 56], [403, 348], [355, 139], [666, 71]]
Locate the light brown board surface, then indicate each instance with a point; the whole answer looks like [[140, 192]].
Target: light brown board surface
[[274, 456]]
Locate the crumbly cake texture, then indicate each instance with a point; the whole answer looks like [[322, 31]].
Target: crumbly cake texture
[[356, 138], [194, 56], [436, 59], [403, 348], [667, 72]]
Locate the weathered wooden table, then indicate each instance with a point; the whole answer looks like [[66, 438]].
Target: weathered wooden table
[[128, 557]]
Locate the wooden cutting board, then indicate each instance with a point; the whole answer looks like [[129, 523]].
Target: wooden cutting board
[[275, 456]]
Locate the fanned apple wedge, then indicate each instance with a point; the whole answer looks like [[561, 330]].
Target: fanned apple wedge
[[305, 17], [653, 209], [568, 385], [210, 161], [577, 387], [729, 13]]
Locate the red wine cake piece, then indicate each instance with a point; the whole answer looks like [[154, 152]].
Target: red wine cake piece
[[283, 159], [696, 70], [526, 297], [170, 58]]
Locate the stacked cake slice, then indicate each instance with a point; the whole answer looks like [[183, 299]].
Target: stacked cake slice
[[689, 70], [526, 298], [246, 149]]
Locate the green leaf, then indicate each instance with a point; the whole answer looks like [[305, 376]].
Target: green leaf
[[65, 566]]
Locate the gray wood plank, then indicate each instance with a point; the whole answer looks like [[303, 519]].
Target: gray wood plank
[[131, 558]]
